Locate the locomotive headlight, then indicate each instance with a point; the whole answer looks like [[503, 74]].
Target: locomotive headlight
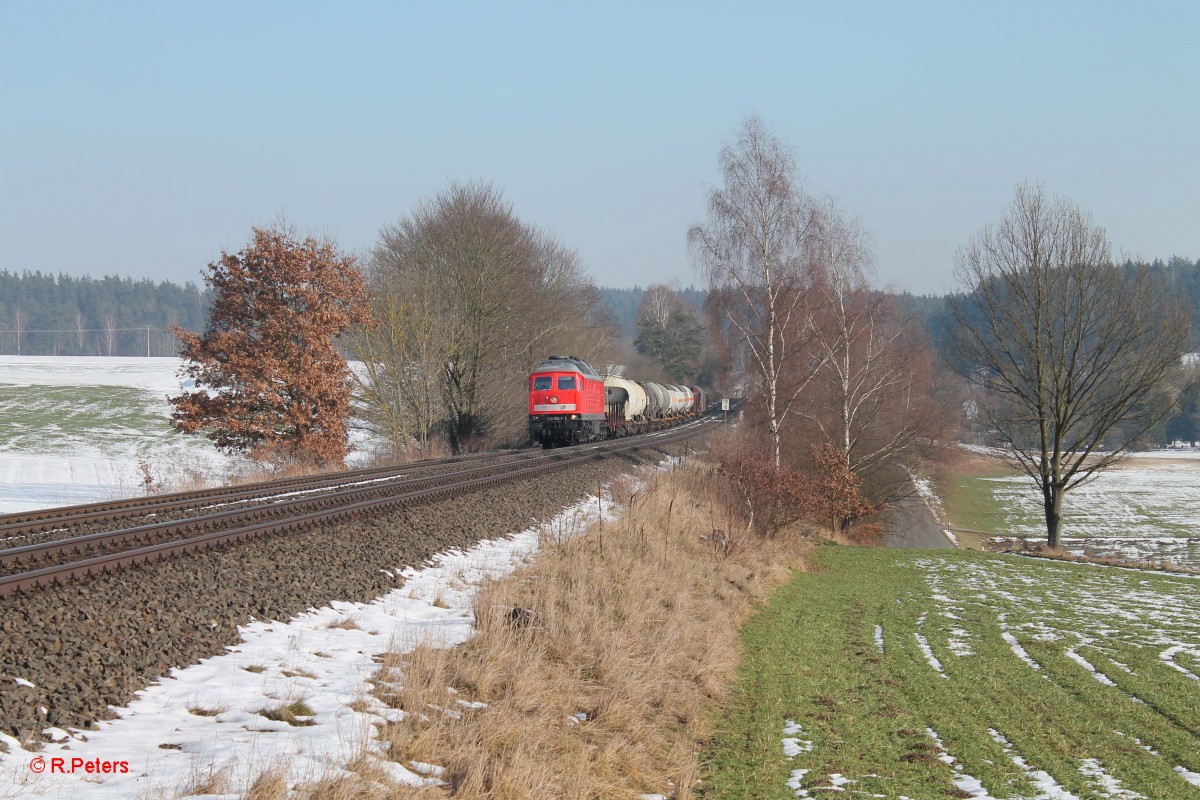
[[574, 416], [554, 398]]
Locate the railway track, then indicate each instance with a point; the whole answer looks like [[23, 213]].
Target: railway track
[[69, 518], [222, 517]]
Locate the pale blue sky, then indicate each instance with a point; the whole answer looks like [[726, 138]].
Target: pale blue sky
[[142, 138]]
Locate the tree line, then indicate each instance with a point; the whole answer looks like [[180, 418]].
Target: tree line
[[625, 305], [445, 317], [1178, 284], [44, 314], [1065, 358], [1053, 351]]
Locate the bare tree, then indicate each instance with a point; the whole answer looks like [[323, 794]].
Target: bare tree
[[659, 302], [469, 299], [109, 333], [398, 388], [846, 338], [19, 325], [78, 326], [755, 253], [871, 402], [1074, 352]]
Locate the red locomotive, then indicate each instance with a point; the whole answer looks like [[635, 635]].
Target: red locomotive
[[569, 403], [566, 402]]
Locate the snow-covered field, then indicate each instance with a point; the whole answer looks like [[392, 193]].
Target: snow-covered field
[[75, 429], [989, 676], [206, 722], [84, 429], [1149, 508], [1127, 502]]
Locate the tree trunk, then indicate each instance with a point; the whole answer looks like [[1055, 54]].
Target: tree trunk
[[1052, 501]]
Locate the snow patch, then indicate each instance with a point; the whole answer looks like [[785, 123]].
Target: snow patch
[[1015, 645], [1168, 657], [1042, 780], [1105, 784], [793, 745], [962, 781], [923, 643], [796, 779], [210, 715], [1083, 662], [1191, 777]]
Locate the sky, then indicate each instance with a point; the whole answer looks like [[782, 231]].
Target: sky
[[142, 139]]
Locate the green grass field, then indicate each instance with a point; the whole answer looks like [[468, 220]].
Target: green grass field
[[59, 419], [1004, 703], [970, 499]]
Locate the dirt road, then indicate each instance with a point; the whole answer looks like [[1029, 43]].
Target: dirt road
[[908, 524]]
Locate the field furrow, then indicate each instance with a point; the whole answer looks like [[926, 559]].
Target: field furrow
[[913, 675]]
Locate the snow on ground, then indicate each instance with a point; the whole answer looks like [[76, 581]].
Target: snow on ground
[[793, 745], [962, 781], [1144, 510], [74, 429], [1135, 513], [78, 429], [207, 718], [1099, 620], [1179, 551], [1188, 454], [1131, 502], [1168, 453], [151, 374], [1079, 611], [923, 644], [1042, 780]]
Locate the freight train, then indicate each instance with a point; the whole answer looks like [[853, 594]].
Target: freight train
[[570, 403]]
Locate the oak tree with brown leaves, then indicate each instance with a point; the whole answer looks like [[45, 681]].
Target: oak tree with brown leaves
[[269, 381], [838, 492]]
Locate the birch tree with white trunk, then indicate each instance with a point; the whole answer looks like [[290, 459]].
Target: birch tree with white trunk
[[871, 405], [755, 252]]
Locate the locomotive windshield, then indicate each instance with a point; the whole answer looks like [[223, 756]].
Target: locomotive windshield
[[541, 383], [565, 382]]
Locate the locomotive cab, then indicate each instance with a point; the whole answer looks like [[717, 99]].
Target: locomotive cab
[[566, 402]]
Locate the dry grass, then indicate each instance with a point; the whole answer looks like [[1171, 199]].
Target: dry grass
[[268, 785], [294, 713], [206, 711], [960, 461], [211, 779], [600, 664], [596, 670], [346, 624], [297, 673]]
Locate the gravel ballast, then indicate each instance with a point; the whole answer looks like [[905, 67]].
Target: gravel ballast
[[94, 643]]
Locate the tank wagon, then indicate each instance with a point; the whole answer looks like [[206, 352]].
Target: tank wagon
[[570, 403]]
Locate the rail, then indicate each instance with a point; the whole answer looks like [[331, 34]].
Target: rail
[[297, 514]]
